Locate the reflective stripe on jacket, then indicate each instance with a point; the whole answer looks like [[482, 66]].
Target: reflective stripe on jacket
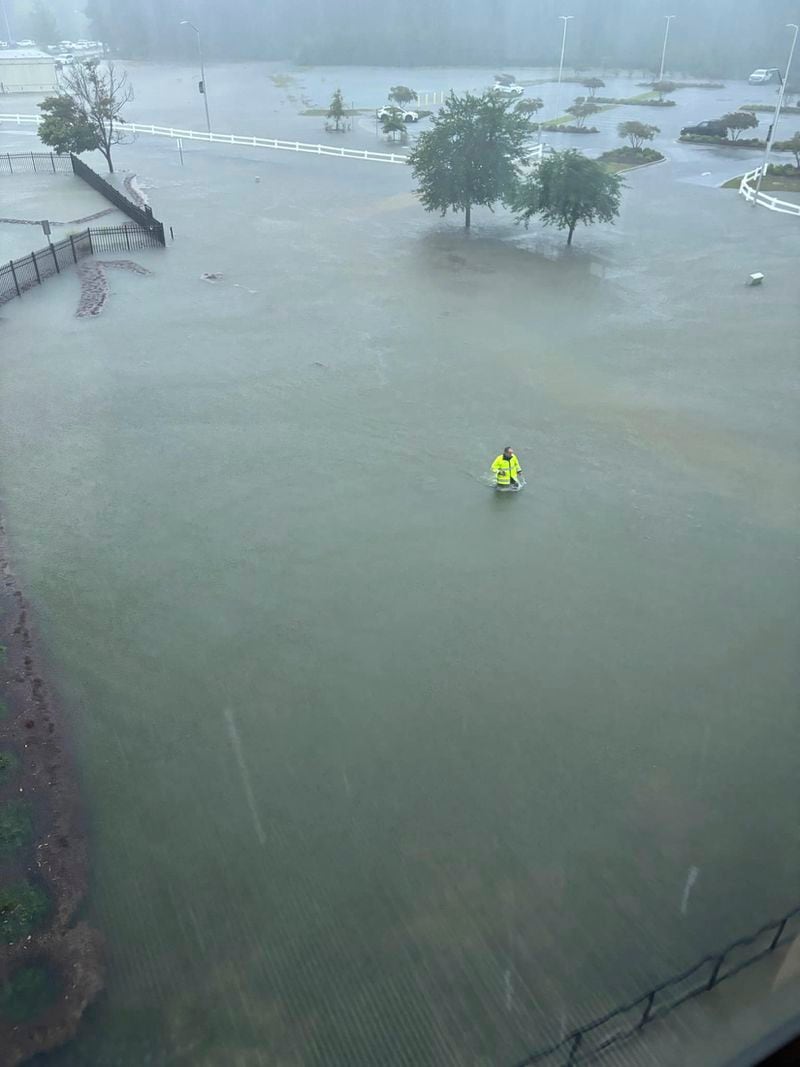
[[506, 469]]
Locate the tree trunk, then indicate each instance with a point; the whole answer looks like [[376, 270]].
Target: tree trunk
[[468, 215], [571, 231]]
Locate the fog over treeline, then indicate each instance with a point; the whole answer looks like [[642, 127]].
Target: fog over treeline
[[725, 38]]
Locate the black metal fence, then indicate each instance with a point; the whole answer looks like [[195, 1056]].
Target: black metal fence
[[22, 274], [141, 216], [588, 1042], [19, 275], [28, 162]]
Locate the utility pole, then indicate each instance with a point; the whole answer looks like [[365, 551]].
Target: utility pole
[[669, 19], [565, 19], [203, 85], [778, 106]]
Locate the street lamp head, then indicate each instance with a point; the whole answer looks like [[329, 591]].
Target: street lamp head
[[566, 18]]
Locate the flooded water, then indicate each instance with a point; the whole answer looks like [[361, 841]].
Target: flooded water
[[382, 767]]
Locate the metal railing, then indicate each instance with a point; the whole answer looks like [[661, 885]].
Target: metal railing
[[747, 190], [590, 1041], [142, 216], [36, 162], [236, 139], [20, 275]]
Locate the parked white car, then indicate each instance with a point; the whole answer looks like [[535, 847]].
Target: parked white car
[[765, 76], [27, 43], [392, 109], [508, 90]]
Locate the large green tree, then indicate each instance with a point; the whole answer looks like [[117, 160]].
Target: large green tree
[[402, 95], [470, 155], [66, 127], [739, 121], [100, 92], [568, 188], [637, 132]]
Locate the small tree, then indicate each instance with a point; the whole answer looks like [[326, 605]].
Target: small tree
[[393, 124], [99, 93], [44, 28], [402, 95], [593, 84], [470, 155], [568, 188], [793, 146], [738, 121], [336, 110], [637, 132], [581, 110], [664, 88], [66, 127], [529, 106]]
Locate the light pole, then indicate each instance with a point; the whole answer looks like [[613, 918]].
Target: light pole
[[9, 38], [203, 86], [778, 106], [565, 19], [668, 19]]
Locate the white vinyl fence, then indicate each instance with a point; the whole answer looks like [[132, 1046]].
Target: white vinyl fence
[[747, 188], [231, 138], [258, 142]]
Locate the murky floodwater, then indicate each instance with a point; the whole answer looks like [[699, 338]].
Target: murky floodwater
[[383, 768]]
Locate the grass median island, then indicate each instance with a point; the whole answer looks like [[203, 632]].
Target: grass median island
[[22, 907], [784, 179], [626, 158]]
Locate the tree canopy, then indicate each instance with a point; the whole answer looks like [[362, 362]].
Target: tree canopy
[[739, 121], [470, 155], [637, 132], [336, 109], [568, 188], [88, 111], [65, 126], [664, 88], [593, 84], [581, 110], [402, 95]]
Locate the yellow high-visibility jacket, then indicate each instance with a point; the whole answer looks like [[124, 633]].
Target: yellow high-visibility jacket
[[506, 469]]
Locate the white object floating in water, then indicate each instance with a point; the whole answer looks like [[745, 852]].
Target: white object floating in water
[[258, 179], [210, 276], [705, 174], [756, 279]]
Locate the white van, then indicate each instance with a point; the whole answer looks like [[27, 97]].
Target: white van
[[765, 76]]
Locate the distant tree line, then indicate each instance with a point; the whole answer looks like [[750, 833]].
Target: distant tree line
[[708, 38]]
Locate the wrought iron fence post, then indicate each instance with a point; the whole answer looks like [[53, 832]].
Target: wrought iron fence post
[[715, 973], [91, 245], [14, 276], [127, 238], [52, 163], [647, 1009], [573, 1052], [36, 268], [55, 258], [778, 935], [33, 160], [10, 167], [72, 246]]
